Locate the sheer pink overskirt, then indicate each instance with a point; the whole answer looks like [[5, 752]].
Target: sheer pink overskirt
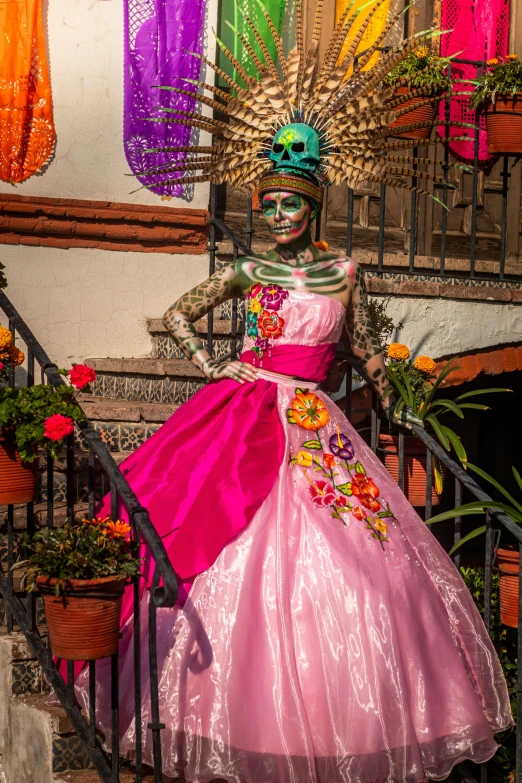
[[310, 652]]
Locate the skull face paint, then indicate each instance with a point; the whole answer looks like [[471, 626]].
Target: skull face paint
[[287, 216]]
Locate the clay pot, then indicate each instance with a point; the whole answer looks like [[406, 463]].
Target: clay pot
[[83, 621], [508, 564], [17, 478], [422, 114], [414, 467], [504, 126]]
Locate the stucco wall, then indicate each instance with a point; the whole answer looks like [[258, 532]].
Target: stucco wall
[[95, 303], [85, 46]]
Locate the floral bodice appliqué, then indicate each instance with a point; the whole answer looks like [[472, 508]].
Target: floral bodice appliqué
[[279, 316]]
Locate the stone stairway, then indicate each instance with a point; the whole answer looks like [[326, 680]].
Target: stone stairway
[[133, 397]]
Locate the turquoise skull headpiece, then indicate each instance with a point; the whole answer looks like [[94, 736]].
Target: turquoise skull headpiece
[[295, 148]]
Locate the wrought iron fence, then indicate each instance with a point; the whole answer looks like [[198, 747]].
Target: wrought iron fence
[[21, 606]]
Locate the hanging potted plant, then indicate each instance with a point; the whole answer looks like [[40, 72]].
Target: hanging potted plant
[[81, 571], [421, 69], [32, 417], [508, 558], [499, 92], [416, 387]]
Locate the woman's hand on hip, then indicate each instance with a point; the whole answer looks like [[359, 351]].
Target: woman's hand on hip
[[242, 372]]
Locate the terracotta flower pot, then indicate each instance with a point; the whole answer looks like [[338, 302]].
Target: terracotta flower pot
[[504, 126], [422, 114], [508, 564], [17, 478], [84, 621], [414, 467]]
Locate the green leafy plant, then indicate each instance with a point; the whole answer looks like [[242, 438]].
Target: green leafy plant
[[40, 415], [513, 508], [417, 388], [91, 549], [420, 68], [502, 79], [382, 323]]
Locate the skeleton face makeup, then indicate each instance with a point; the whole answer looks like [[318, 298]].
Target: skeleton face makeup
[[287, 216]]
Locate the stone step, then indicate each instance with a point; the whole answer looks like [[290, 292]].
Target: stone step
[[123, 425], [165, 347], [126, 776], [153, 380]]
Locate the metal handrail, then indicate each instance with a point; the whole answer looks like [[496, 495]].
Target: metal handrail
[[166, 595]]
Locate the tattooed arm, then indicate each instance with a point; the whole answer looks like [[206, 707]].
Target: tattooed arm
[[193, 305], [365, 346]]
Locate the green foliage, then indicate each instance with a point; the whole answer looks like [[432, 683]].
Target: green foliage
[[504, 79], [513, 508], [383, 325], [418, 391], [23, 413], [88, 550], [420, 68], [3, 281], [505, 641]]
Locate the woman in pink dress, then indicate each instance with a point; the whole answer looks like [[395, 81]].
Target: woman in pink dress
[[326, 635]]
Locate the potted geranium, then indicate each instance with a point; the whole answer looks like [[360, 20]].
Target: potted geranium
[[32, 418], [416, 387], [81, 571], [419, 69], [499, 92]]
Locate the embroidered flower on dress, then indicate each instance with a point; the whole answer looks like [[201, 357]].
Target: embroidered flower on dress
[[304, 459], [251, 324], [270, 324], [341, 446], [321, 492], [272, 297], [263, 323], [308, 411], [367, 492]]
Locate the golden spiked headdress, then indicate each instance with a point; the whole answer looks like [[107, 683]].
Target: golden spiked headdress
[[304, 121]]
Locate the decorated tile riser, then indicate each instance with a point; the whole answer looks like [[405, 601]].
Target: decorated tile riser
[[164, 390], [164, 347], [123, 437], [27, 679], [69, 754]]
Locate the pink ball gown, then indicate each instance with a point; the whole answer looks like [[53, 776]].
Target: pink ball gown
[[326, 637]]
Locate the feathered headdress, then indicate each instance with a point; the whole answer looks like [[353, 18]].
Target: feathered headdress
[[325, 121]]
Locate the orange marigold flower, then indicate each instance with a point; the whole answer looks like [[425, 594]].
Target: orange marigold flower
[[328, 460], [512, 57], [322, 245], [96, 521], [422, 51], [424, 364], [309, 411], [6, 339], [493, 61], [398, 351], [16, 355], [117, 529]]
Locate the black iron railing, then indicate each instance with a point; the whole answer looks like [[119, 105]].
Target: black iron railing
[[21, 608], [495, 521]]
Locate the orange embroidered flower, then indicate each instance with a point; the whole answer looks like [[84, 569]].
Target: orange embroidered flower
[[424, 364], [328, 460], [309, 412], [117, 529], [16, 355], [270, 324], [360, 513], [6, 339], [367, 492], [398, 351]]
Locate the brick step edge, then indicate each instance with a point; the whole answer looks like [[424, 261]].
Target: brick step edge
[[157, 368], [220, 327], [106, 409]]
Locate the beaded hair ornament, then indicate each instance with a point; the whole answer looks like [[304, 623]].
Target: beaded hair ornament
[[303, 123]]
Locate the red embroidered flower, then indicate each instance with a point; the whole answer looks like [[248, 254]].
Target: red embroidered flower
[[360, 513], [321, 492], [81, 375], [58, 426], [255, 290], [271, 324], [341, 501], [328, 460], [364, 488]]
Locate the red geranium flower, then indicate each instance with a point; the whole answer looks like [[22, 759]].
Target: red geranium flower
[[58, 426], [81, 375], [364, 488], [271, 324], [321, 492]]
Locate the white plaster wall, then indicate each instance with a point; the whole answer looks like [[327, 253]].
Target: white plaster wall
[[95, 303], [445, 327], [85, 46]]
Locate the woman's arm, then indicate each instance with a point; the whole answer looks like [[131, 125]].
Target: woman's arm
[[366, 347], [178, 320]]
